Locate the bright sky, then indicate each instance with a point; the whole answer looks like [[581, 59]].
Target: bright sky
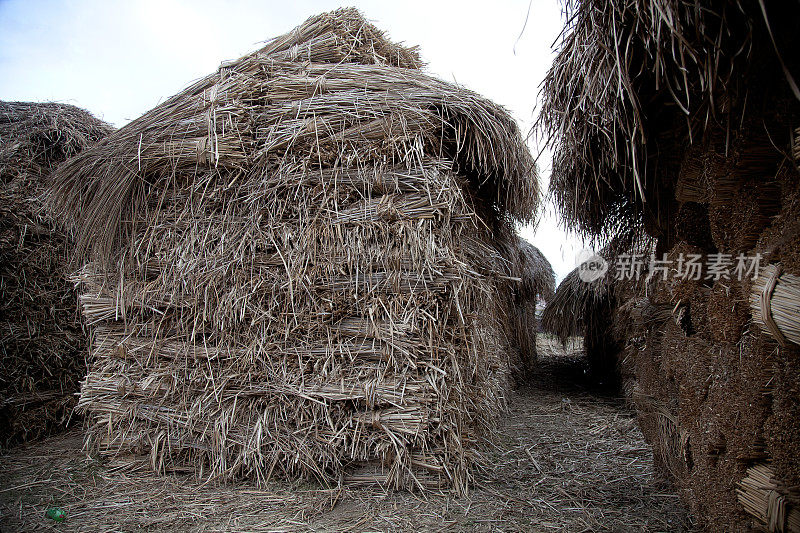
[[119, 59]]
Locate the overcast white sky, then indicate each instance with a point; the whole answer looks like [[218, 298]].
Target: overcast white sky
[[119, 59]]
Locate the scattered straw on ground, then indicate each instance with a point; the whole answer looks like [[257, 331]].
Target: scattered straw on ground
[[565, 460]]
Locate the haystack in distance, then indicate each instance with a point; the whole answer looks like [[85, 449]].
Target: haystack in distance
[[291, 266], [42, 344]]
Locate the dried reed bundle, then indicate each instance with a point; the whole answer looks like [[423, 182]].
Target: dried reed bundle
[[616, 61], [673, 441], [648, 105], [796, 146], [532, 267], [564, 314], [41, 342], [537, 280], [260, 111], [571, 310], [763, 496], [292, 267], [775, 304], [647, 315], [691, 184]]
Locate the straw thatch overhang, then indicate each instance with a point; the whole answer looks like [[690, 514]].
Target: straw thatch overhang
[[335, 89], [536, 281], [635, 83]]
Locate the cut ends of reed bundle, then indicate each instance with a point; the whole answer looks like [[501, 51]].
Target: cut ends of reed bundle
[[763, 496], [775, 304]]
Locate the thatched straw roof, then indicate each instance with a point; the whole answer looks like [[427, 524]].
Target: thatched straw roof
[[41, 341], [635, 81], [528, 264], [254, 112], [536, 272]]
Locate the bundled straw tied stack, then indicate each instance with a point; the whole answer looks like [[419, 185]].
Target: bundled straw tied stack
[[291, 266], [41, 341], [676, 120], [766, 498]]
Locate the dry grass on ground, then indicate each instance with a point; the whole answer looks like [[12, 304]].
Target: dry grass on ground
[[564, 460]]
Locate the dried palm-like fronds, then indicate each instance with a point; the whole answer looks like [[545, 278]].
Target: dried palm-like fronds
[[292, 267], [41, 342]]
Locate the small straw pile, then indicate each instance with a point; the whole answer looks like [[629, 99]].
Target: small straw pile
[[292, 267], [766, 498], [41, 342]]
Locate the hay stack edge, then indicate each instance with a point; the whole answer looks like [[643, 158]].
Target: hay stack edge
[[536, 282], [42, 344], [677, 122], [294, 267]]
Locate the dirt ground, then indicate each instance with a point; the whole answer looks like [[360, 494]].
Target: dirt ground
[[565, 459]]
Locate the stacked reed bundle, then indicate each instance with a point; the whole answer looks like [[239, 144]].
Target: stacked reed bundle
[[770, 501], [691, 185], [796, 145], [564, 315], [626, 75], [41, 341], [292, 268], [581, 308], [673, 118], [673, 450], [775, 304]]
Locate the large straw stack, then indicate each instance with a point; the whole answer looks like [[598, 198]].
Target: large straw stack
[[674, 119], [41, 341], [292, 269], [592, 309]]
